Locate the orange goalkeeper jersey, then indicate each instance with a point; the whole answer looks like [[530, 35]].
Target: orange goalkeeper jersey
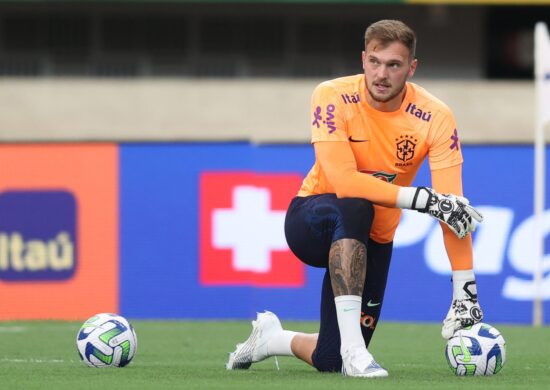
[[388, 145]]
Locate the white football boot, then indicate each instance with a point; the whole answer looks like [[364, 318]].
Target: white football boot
[[358, 362], [254, 349]]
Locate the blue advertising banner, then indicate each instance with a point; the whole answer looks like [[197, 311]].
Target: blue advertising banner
[[201, 236]]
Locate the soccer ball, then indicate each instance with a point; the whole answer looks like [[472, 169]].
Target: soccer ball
[[476, 350], [106, 340]]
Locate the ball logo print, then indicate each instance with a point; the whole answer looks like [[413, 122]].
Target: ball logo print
[[242, 230]]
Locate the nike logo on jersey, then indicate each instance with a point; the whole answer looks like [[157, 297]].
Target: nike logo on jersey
[[371, 304], [356, 140]]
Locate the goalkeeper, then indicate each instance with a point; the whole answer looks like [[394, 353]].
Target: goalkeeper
[[371, 132]]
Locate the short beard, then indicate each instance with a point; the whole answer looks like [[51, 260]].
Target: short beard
[[386, 99]]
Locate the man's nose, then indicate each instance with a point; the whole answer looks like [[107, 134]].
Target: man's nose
[[382, 71]]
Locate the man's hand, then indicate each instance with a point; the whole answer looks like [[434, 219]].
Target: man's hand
[[465, 310], [455, 211], [463, 313]]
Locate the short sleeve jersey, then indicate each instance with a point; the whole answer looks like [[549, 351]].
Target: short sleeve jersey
[[388, 145]]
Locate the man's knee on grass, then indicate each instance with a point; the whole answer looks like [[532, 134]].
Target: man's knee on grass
[[327, 361]]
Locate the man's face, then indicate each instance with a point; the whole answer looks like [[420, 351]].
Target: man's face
[[387, 68]]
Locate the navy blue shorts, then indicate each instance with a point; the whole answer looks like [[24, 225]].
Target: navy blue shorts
[[312, 224]]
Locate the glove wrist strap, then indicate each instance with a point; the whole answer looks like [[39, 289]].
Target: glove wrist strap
[[464, 285], [415, 198]]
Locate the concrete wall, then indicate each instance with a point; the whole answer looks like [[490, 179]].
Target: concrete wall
[[260, 110]]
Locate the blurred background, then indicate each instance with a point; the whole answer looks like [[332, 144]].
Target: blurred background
[[150, 148], [273, 39]]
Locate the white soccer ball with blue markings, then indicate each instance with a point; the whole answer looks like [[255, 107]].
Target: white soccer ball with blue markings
[[476, 350], [106, 340]]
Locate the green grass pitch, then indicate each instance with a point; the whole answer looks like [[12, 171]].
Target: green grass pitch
[[191, 355]]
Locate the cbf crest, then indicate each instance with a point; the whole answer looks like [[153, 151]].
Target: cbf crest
[[405, 146]]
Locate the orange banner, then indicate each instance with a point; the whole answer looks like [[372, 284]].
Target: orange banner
[[58, 231]]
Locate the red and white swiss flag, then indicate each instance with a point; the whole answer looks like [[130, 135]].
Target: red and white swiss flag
[[242, 240]]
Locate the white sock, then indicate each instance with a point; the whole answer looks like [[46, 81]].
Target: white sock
[[348, 311], [279, 345]]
